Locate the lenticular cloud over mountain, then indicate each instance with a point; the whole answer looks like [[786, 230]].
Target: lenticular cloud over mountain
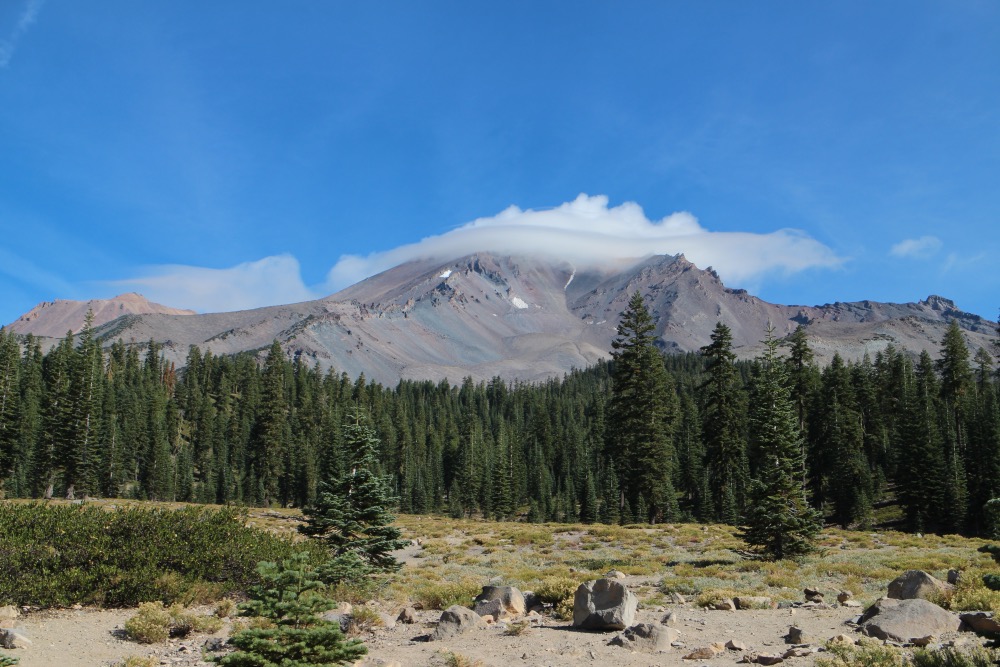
[[585, 231], [588, 232]]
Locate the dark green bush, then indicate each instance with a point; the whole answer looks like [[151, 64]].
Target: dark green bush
[[58, 555]]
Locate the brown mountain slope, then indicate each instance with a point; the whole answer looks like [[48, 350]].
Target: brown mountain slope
[[526, 318], [55, 318]]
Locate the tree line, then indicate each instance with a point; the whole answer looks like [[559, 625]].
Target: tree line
[[643, 437]]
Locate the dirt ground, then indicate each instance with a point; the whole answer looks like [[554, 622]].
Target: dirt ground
[[93, 638]]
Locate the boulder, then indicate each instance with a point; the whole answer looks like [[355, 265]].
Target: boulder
[[646, 638], [981, 621], [510, 597], [903, 620], [736, 645], [604, 604], [407, 615], [456, 620], [916, 585]]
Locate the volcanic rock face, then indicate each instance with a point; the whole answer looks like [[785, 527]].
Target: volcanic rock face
[[526, 318]]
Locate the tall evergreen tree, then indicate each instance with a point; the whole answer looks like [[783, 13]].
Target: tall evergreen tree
[[352, 514], [10, 404], [780, 523], [722, 418], [642, 413]]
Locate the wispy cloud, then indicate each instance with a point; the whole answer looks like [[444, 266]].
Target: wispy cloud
[[921, 248], [266, 282], [587, 231], [24, 21]]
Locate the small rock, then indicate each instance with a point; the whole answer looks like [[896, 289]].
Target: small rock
[[646, 638], [9, 612], [813, 595], [12, 639], [736, 645], [843, 639], [850, 604], [615, 574], [408, 615], [490, 609], [705, 652], [214, 644], [953, 577], [670, 619], [677, 598], [725, 605], [768, 659], [797, 635], [797, 652], [844, 596], [922, 641], [980, 621]]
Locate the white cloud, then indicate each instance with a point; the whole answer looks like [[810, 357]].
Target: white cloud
[[921, 248], [24, 21], [588, 232], [266, 282]]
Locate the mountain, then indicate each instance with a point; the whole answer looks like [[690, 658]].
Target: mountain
[[55, 318], [527, 318]]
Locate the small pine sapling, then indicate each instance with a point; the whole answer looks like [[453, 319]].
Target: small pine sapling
[[290, 596]]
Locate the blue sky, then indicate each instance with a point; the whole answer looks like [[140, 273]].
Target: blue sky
[[230, 154]]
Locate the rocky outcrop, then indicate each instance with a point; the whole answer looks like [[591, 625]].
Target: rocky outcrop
[[604, 604]]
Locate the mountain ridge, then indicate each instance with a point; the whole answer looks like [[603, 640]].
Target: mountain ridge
[[526, 318]]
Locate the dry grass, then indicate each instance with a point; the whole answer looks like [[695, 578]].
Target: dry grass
[[692, 559]]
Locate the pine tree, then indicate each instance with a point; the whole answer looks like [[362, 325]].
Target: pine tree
[[780, 523], [290, 595], [10, 404], [642, 414], [722, 416], [352, 514], [271, 430], [840, 461]]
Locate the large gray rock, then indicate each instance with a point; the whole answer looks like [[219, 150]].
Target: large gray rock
[[916, 585], [646, 638], [11, 639], [510, 598], [903, 620], [604, 604], [456, 620]]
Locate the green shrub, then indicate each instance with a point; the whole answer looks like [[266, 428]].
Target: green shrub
[[60, 555], [155, 623]]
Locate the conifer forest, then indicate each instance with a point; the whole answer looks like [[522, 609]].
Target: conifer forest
[[644, 437]]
